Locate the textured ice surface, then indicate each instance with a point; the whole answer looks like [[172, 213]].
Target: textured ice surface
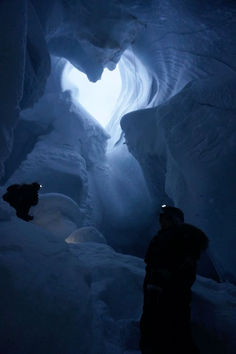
[[87, 298], [139, 90], [187, 150], [41, 288], [71, 142], [12, 71], [91, 35], [67, 155], [185, 146], [57, 213], [214, 316], [24, 66], [60, 298], [186, 40]]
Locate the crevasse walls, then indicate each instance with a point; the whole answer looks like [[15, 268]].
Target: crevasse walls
[[57, 296], [178, 42], [190, 150], [91, 36], [139, 90]]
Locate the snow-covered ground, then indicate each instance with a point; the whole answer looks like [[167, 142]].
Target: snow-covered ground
[[86, 298]]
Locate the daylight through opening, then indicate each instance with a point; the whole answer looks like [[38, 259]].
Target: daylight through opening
[[99, 98]]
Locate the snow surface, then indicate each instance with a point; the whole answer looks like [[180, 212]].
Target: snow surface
[[87, 298], [214, 316], [59, 298]]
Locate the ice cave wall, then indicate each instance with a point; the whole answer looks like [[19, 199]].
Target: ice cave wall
[[88, 35], [191, 49], [179, 42], [185, 144]]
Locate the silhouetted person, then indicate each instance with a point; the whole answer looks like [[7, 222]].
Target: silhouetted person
[[171, 263], [22, 197]]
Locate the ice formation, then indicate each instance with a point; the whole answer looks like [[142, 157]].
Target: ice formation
[[85, 297], [57, 213], [193, 152], [86, 234], [102, 188]]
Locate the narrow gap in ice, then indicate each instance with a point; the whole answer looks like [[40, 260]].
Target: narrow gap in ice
[[127, 88], [98, 98]]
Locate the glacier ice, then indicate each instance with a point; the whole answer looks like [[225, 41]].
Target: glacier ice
[[66, 29], [139, 89], [57, 296], [24, 66], [177, 146], [68, 156], [214, 315], [57, 213], [85, 297], [37, 309], [190, 141]]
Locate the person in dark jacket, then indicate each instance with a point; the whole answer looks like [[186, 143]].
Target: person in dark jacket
[[171, 263], [22, 197]]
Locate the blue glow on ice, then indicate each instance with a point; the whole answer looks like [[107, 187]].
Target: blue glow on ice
[[99, 98]]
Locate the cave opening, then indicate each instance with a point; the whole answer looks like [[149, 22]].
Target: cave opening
[[129, 87], [72, 277], [97, 98]]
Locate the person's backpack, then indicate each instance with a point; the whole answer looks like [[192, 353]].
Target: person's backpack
[[13, 195]]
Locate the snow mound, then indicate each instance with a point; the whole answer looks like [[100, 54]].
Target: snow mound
[[90, 294], [86, 234], [43, 295], [57, 213], [214, 316], [60, 298], [116, 288]]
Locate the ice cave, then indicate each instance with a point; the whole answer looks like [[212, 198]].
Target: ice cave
[[115, 107]]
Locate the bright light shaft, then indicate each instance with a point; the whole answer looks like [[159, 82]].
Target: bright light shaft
[[98, 98]]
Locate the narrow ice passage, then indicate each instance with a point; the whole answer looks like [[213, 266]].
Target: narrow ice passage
[[86, 189], [170, 138]]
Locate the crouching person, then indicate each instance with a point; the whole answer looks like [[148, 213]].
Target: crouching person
[[22, 197], [171, 263]]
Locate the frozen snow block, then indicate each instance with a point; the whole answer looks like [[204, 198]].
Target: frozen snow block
[[57, 213], [44, 295], [86, 234]]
